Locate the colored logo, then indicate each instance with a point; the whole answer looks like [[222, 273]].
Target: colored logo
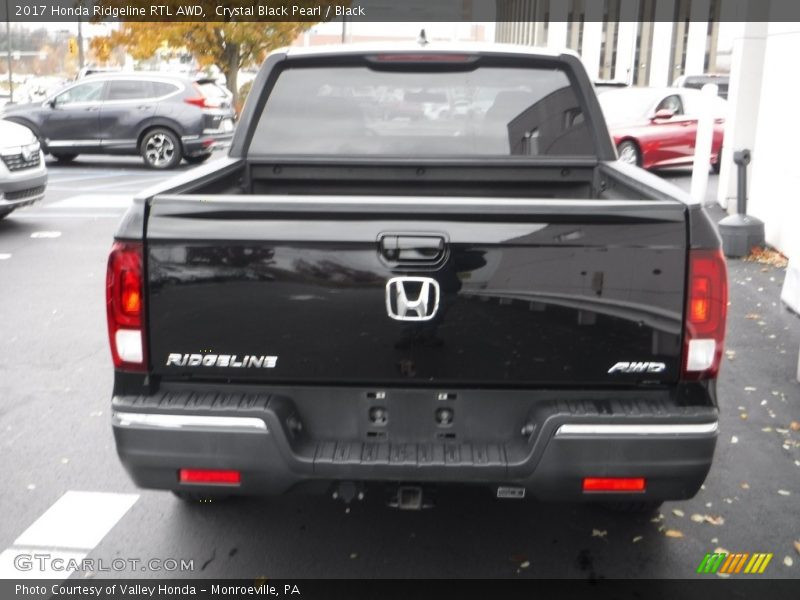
[[731, 564]]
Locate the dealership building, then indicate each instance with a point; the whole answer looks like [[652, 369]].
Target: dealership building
[[653, 42]]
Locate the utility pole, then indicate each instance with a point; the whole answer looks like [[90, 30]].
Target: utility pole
[[8, 56], [80, 39]]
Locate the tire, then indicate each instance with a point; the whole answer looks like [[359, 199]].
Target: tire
[[629, 153], [198, 498], [160, 148], [64, 158], [3, 215], [717, 165], [634, 507], [196, 160]]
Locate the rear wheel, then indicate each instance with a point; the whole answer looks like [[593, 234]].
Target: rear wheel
[[629, 153], [196, 160], [3, 215], [63, 157], [161, 149]]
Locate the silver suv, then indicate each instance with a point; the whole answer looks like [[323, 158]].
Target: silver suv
[[23, 175]]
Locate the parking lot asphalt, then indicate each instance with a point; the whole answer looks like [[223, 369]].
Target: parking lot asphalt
[[55, 385]]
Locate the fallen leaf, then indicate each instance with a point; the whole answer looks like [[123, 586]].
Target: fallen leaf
[[714, 520], [660, 517], [697, 518], [639, 538], [745, 485], [750, 388], [673, 533], [734, 439], [752, 316], [525, 565], [784, 492], [795, 426], [353, 555], [787, 560], [715, 540], [721, 550], [743, 416], [766, 429], [708, 504], [599, 533], [677, 512], [797, 546]]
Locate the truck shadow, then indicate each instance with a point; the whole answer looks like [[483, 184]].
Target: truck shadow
[[467, 534]]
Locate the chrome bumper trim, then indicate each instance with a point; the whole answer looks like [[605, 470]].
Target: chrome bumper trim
[[636, 429], [161, 421]]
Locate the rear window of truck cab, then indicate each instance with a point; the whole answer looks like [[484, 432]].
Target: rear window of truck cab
[[398, 109]]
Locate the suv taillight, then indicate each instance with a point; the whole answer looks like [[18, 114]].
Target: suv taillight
[[125, 306], [201, 100], [706, 310]]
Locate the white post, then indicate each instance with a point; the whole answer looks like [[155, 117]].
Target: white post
[[626, 40], [592, 38], [660, 56], [558, 26], [702, 147], [696, 38], [744, 99]]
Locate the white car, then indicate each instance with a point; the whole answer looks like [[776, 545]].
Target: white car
[[23, 175]]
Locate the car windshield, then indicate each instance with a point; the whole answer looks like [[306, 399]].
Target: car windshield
[[483, 111], [629, 104]]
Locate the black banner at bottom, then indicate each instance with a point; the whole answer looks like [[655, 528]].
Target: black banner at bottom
[[406, 589]]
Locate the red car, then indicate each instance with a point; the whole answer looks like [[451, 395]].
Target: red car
[[657, 127]]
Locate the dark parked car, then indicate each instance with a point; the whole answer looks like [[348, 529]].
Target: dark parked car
[[698, 81], [163, 118]]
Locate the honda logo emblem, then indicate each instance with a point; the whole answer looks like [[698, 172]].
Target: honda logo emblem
[[412, 298]]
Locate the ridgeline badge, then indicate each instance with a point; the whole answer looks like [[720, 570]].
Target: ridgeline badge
[[225, 361]]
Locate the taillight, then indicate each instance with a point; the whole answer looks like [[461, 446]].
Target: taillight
[[706, 309], [201, 100], [125, 306]]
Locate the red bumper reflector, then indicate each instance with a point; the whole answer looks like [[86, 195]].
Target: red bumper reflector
[[613, 484], [211, 476]]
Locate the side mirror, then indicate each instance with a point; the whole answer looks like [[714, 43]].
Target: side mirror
[[51, 103], [663, 114]]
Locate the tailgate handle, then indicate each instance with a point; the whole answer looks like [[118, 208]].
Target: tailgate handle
[[412, 248]]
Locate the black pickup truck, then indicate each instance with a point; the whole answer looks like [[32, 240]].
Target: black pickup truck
[[418, 266]]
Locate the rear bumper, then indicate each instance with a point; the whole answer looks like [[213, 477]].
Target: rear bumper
[[554, 446], [197, 145]]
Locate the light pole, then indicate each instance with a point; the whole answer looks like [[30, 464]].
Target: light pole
[[8, 56], [80, 38]]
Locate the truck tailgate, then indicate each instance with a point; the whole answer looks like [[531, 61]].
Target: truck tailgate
[[415, 291]]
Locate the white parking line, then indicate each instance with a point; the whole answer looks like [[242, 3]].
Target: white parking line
[[4, 256], [68, 530]]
